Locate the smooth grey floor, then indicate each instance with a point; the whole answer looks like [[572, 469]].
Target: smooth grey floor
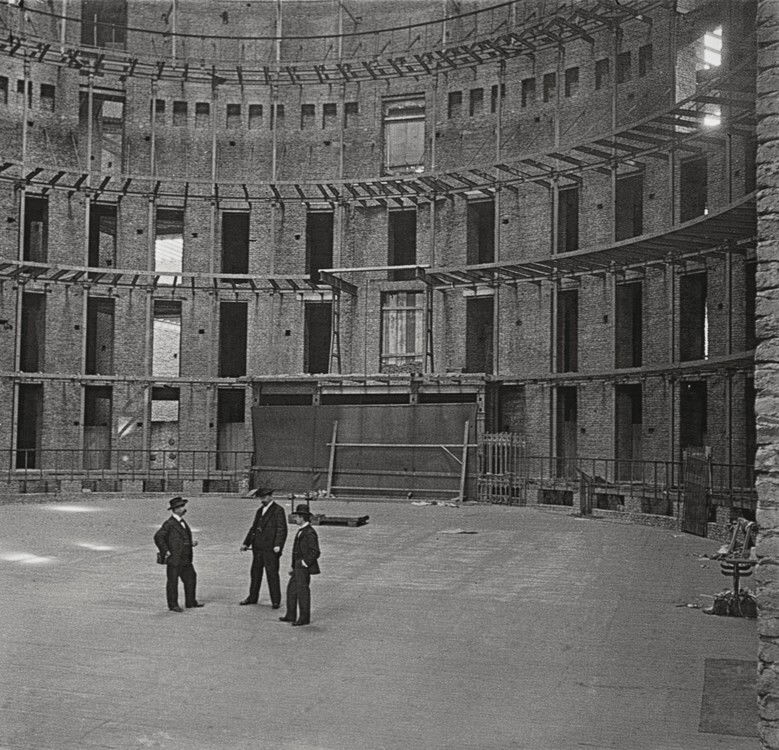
[[540, 631]]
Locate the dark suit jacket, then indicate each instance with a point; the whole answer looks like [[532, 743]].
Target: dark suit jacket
[[269, 530], [306, 548], [172, 537]]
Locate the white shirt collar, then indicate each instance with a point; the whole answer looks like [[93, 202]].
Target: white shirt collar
[[179, 518]]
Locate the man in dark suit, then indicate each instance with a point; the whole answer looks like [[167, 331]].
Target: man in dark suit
[[266, 539], [174, 542], [305, 554]]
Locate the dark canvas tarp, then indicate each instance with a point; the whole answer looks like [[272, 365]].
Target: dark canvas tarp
[[292, 451]]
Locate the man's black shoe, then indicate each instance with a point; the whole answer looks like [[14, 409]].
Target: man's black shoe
[[246, 601], [175, 609], [286, 619], [275, 606], [298, 622], [196, 604]]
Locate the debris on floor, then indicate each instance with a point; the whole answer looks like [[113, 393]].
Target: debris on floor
[[457, 531], [734, 604], [435, 502]]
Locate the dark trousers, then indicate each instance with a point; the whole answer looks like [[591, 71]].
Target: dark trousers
[[267, 560], [186, 573], [299, 595]]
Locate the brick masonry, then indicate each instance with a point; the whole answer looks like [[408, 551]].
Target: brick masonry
[[766, 368], [277, 231]]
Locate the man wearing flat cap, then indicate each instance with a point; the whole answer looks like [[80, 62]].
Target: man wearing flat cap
[[266, 539], [305, 554], [174, 542]]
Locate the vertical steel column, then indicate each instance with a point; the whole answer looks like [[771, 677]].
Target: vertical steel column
[[335, 332], [90, 135], [429, 361]]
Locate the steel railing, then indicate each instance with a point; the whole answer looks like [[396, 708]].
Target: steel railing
[[105, 464]]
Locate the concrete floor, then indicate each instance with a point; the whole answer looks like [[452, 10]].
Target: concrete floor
[[540, 631]]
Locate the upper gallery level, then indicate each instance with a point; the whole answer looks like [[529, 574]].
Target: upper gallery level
[[359, 102]]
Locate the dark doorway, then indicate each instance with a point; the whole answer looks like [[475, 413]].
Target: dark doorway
[[693, 430], [232, 339], [319, 242], [478, 334], [33, 333], [627, 432], [102, 236], [36, 226], [100, 336], [628, 325], [230, 428], [29, 426], [629, 207], [693, 188], [235, 242], [402, 243], [567, 220], [567, 330], [481, 232], [318, 322], [693, 323], [567, 431], [97, 427]]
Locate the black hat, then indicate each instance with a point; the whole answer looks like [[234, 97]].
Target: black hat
[[177, 502], [302, 510], [260, 492]]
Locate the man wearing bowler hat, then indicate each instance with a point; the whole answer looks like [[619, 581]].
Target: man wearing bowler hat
[[305, 553], [266, 539], [174, 542]]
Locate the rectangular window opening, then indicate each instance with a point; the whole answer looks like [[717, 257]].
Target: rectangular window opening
[[528, 97], [104, 23], [455, 106], [168, 242], [100, 336], [329, 115], [567, 330], [623, 67], [317, 331], [202, 114], [402, 244], [571, 82], [693, 179], [98, 407], [351, 114], [481, 232], [629, 206], [628, 325], [3, 90], [476, 102], [567, 219], [232, 339], [48, 93], [693, 414], [235, 242], [479, 330], [277, 116], [102, 236], [402, 332], [166, 340], [255, 116], [233, 121], [29, 426], [494, 96], [32, 337], [20, 86], [307, 116], [550, 86], [693, 317], [319, 242], [179, 114], [404, 134], [36, 229], [567, 432], [159, 111], [231, 428], [628, 429]]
